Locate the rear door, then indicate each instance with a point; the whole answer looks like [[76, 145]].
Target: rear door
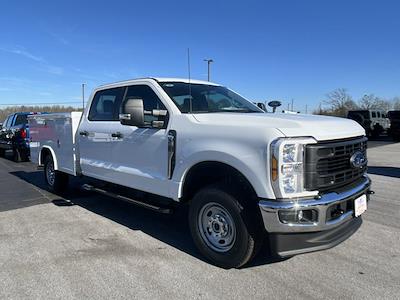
[[95, 134]]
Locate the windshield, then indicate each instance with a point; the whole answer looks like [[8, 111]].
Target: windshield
[[203, 98]]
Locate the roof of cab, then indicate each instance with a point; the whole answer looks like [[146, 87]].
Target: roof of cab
[[157, 79]]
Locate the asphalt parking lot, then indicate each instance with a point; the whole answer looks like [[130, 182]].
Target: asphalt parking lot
[[88, 246]]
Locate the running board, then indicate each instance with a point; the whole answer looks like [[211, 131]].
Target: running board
[[162, 210]]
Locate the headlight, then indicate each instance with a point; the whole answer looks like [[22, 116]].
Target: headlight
[[287, 167]]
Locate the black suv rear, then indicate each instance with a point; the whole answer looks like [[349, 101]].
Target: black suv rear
[[394, 117], [14, 135]]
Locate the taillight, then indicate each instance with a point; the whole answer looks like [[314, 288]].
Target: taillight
[[23, 133]]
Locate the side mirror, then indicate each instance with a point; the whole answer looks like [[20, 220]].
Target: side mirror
[[132, 113], [262, 106], [274, 105]]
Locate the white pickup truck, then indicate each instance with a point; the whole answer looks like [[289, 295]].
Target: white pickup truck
[[296, 182]]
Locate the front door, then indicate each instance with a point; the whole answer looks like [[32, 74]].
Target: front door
[[140, 155]]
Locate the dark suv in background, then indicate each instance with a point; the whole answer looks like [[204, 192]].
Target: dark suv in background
[[394, 117], [14, 135]]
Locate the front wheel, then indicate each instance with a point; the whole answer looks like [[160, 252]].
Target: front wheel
[[56, 181], [220, 228]]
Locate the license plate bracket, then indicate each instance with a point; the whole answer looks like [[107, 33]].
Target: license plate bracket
[[360, 205]]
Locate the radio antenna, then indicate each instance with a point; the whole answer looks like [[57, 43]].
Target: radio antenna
[[190, 85]]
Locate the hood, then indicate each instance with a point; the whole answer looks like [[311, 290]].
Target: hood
[[291, 125]]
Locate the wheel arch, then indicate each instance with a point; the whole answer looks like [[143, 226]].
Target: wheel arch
[[208, 172], [44, 152]]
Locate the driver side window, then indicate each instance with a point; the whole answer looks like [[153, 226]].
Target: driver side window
[[150, 100]]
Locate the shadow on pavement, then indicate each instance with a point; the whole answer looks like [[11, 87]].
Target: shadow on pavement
[[384, 171], [170, 229]]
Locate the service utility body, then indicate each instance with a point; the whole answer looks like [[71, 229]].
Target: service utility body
[[296, 182]]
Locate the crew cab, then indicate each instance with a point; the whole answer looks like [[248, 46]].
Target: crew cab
[[296, 182], [14, 136]]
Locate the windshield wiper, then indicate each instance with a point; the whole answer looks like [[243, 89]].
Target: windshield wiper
[[241, 110]]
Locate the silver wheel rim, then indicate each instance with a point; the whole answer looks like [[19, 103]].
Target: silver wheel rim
[[216, 227], [50, 173]]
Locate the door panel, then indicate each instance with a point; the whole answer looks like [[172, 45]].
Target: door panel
[[95, 133], [141, 154], [140, 159], [95, 148]]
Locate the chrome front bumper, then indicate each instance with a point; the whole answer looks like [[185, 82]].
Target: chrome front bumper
[[270, 210]]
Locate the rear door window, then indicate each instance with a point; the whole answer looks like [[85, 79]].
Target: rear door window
[[106, 104]]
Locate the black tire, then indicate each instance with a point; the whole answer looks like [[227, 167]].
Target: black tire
[[248, 231], [57, 181], [2, 152], [17, 155], [20, 155]]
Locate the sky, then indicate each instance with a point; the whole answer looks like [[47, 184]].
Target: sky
[[265, 50]]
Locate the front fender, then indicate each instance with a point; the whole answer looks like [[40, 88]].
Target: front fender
[[252, 167]]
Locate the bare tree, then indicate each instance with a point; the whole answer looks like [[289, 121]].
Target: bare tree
[[382, 104], [371, 101], [396, 103], [339, 102], [367, 101]]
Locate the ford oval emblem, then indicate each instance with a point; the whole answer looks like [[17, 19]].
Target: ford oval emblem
[[358, 160]]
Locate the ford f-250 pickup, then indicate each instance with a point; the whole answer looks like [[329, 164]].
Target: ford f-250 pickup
[[297, 182]]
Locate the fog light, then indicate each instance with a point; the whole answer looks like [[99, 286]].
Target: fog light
[[306, 216]]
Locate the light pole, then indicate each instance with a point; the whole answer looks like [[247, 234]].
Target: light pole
[[209, 61], [83, 96]]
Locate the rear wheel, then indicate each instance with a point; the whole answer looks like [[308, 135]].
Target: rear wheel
[[20, 155], [17, 155], [221, 228], [56, 181], [2, 152]]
